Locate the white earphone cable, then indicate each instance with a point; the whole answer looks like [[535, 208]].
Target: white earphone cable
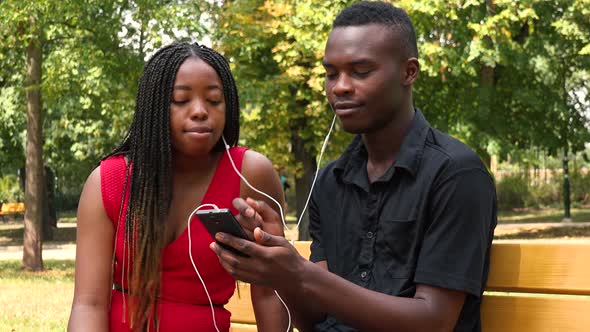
[[227, 147], [190, 254]]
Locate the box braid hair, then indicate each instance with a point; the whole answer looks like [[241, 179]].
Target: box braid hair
[[147, 147]]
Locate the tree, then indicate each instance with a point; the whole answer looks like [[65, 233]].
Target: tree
[[489, 74], [492, 68], [76, 71], [31, 31]]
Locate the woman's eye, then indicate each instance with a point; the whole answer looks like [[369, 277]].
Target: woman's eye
[[179, 102], [214, 102]]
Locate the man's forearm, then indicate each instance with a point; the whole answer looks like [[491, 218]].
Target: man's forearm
[[304, 313], [270, 313], [323, 292]]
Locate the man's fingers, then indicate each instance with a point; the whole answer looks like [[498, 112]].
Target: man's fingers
[[233, 264], [268, 240], [244, 246], [267, 213], [244, 208], [247, 217]]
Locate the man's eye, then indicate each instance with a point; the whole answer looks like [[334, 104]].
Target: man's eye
[[331, 76], [363, 73]]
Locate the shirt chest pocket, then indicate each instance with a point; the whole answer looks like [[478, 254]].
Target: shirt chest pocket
[[398, 241]]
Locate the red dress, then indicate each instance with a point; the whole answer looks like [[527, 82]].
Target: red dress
[[183, 304]]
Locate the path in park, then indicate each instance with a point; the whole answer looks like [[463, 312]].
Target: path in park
[[68, 250]]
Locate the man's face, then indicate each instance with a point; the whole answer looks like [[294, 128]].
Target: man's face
[[364, 76]]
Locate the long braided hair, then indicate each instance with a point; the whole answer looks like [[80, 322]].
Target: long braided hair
[[147, 147]]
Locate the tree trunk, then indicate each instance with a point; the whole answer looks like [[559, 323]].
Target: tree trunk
[[486, 93], [303, 183], [32, 239], [567, 217]]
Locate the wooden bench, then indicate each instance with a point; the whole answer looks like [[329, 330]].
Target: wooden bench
[[532, 286], [11, 209]]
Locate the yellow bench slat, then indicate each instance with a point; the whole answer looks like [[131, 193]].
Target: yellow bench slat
[[241, 306], [235, 327], [546, 267], [557, 268], [12, 208], [518, 313]]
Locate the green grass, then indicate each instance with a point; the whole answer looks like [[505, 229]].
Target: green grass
[[563, 232], [12, 235], [67, 216], [36, 301], [542, 216]]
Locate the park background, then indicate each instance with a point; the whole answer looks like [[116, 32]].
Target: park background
[[510, 79]]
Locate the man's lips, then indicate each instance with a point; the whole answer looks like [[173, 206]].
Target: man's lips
[[343, 108], [346, 104]]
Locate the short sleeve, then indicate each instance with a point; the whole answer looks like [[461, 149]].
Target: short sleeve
[[317, 250], [455, 249]]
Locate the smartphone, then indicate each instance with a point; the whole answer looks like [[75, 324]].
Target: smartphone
[[222, 220]]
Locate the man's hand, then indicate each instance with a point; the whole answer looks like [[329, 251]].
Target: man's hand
[[254, 214], [272, 261]]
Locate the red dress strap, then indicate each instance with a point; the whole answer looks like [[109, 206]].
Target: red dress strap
[[113, 172]]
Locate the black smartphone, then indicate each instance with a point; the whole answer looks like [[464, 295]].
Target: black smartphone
[[222, 220]]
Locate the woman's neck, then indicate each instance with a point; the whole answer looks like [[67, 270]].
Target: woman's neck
[[189, 169]]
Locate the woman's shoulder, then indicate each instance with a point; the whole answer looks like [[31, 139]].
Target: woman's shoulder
[[256, 161]]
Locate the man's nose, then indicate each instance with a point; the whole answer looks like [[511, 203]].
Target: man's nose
[[343, 85]]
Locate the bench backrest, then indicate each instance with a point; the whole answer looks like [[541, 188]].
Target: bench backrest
[[12, 207], [538, 286], [532, 286]]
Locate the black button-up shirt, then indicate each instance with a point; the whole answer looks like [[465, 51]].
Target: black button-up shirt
[[428, 220]]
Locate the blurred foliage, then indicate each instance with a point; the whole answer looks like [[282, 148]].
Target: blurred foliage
[[93, 54], [519, 190], [508, 78]]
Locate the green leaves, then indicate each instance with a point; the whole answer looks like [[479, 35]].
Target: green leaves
[[535, 94], [497, 73], [93, 53]]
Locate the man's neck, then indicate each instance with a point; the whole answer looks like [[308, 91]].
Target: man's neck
[[382, 146]]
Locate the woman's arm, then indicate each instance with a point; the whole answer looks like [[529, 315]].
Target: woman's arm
[[94, 254], [270, 314]]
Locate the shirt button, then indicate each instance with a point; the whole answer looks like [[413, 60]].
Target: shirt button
[[370, 235], [364, 275]]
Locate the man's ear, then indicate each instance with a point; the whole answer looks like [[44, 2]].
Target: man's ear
[[410, 71]]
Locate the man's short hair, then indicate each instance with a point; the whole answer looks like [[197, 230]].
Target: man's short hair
[[377, 12]]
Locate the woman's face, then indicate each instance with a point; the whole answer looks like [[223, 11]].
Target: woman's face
[[197, 112]]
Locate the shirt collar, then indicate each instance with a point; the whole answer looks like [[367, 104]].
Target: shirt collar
[[412, 148], [351, 166]]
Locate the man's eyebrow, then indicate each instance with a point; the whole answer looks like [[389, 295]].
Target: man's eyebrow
[[362, 61]]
